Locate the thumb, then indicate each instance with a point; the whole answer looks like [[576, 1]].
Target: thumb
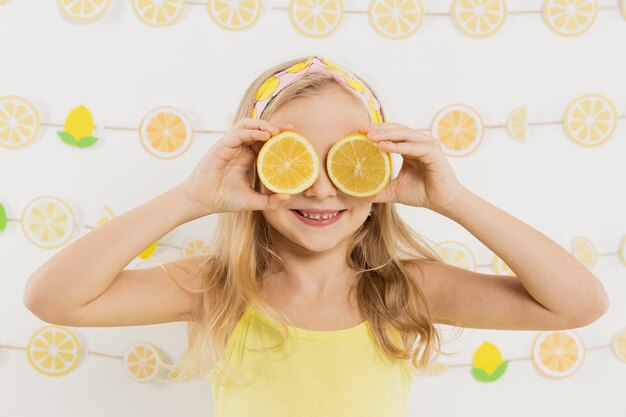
[[278, 200]]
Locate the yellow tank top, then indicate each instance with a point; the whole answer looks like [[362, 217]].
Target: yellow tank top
[[320, 373]]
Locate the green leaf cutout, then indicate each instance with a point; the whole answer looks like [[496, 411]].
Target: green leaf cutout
[[3, 218]]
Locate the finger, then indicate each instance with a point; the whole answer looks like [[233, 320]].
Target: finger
[[272, 127], [272, 201], [246, 137], [394, 134], [417, 150]]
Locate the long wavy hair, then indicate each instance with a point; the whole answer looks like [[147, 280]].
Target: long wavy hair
[[382, 250]]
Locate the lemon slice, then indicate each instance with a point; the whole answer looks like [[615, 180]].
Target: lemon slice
[[19, 122], [195, 247], [501, 268], [159, 12], [394, 20], [569, 18], [478, 18], [142, 362], [105, 217], [288, 163], [53, 350], [558, 354], [618, 345], [166, 132], [516, 123], [316, 18], [83, 10], [234, 15], [48, 222], [590, 120], [357, 166], [459, 128], [622, 251], [456, 253], [585, 251]]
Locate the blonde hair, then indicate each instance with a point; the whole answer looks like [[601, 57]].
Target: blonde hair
[[382, 249]]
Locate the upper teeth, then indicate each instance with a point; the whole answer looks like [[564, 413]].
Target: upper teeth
[[318, 216]]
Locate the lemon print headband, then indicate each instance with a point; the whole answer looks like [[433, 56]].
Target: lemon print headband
[[273, 85]]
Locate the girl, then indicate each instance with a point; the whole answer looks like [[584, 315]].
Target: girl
[[311, 320]]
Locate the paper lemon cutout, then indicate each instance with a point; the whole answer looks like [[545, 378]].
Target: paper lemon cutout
[[569, 18], [53, 350], [488, 365], [456, 253], [234, 15], [394, 20], [478, 18], [148, 251], [78, 128], [159, 12], [618, 345], [166, 132], [433, 368], [590, 120], [500, 268], [585, 251], [516, 123], [106, 216], [48, 222], [19, 122], [459, 128], [623, 7], [143, 362], [558, 354], [316, 18], [83, 10], [622, 251], [195, 247]]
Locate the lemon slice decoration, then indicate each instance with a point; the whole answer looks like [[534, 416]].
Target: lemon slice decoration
[[53, 350], [287, 163], [357, 166], [590, 120], [622, 250], [106, 216], [195, 247], [558, 354], [394, 20], [622, 6], [618, 345], [143, 362], [457, 254], [19, 122], [585, 251], [159, 12], [501, 268], [48, 222], [83, 10], [166, 132], [478, 18], [316, 18], [459, 128], [516, 123], [234, 15], [569, 18]]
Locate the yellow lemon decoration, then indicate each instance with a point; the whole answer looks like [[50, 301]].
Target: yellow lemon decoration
[[83, 10], [148, 251], [590, 120], [235, 15], [488, 365], [516, 123], [622, 250], [618, 345], [569, 18], [19, 122], [105, 217], [316, 18], [396, 20], [53, 350], [622, 6], [287, 163], [143, 362], [48, 222], [585, 251], [478, 18], [459, 128], [558, 354], [78, 128], [195, 247], [457, 254], [159, 12], [501, 268], [165, 132], [433, 368], [357, 166]]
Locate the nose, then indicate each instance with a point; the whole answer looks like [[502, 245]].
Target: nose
[[323, 187]]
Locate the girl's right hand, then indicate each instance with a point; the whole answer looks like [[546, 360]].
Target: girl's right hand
[[220, 182]]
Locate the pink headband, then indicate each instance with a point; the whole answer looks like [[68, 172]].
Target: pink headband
[[272, 86]]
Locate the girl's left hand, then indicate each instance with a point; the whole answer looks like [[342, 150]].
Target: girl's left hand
[[426, 178]]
